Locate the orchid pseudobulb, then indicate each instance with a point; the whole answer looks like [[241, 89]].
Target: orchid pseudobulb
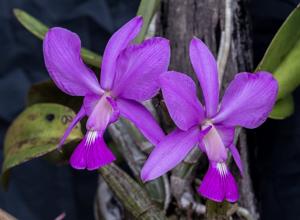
[[129, 75], [247, 102]]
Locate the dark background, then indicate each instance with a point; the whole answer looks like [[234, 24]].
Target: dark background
[[40, 191], [275, 145]]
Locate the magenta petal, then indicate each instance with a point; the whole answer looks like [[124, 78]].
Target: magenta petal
[[212, 185], [89, 102], [232, 193], [99, 155], [169, 153], [73, 123], [218, 184], [226, 133], [78, 157], [142, 118], [237, 158], [248, 100], [139, 67], [92, 152], [179, 93], [118, 42], [206, 69], [62, 58]]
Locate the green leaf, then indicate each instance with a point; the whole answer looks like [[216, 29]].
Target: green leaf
[[285, 40], [283, 108], [146, 9], [282, 59], [36, 132], [39, 29], [288, 72]]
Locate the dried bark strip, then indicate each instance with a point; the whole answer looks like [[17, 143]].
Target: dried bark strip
[[133, 197]]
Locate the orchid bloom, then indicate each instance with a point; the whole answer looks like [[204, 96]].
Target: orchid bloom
[[247, 102], [129, 75]]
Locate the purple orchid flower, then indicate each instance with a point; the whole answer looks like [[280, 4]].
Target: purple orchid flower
[[247, 102], [129, 75]]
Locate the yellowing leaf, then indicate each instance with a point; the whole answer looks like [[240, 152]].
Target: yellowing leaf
[[36, 132]]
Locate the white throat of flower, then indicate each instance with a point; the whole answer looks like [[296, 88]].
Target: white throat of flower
[[91, 137], [222, 168]]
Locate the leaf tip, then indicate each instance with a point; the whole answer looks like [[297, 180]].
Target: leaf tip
[[17, 12]]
